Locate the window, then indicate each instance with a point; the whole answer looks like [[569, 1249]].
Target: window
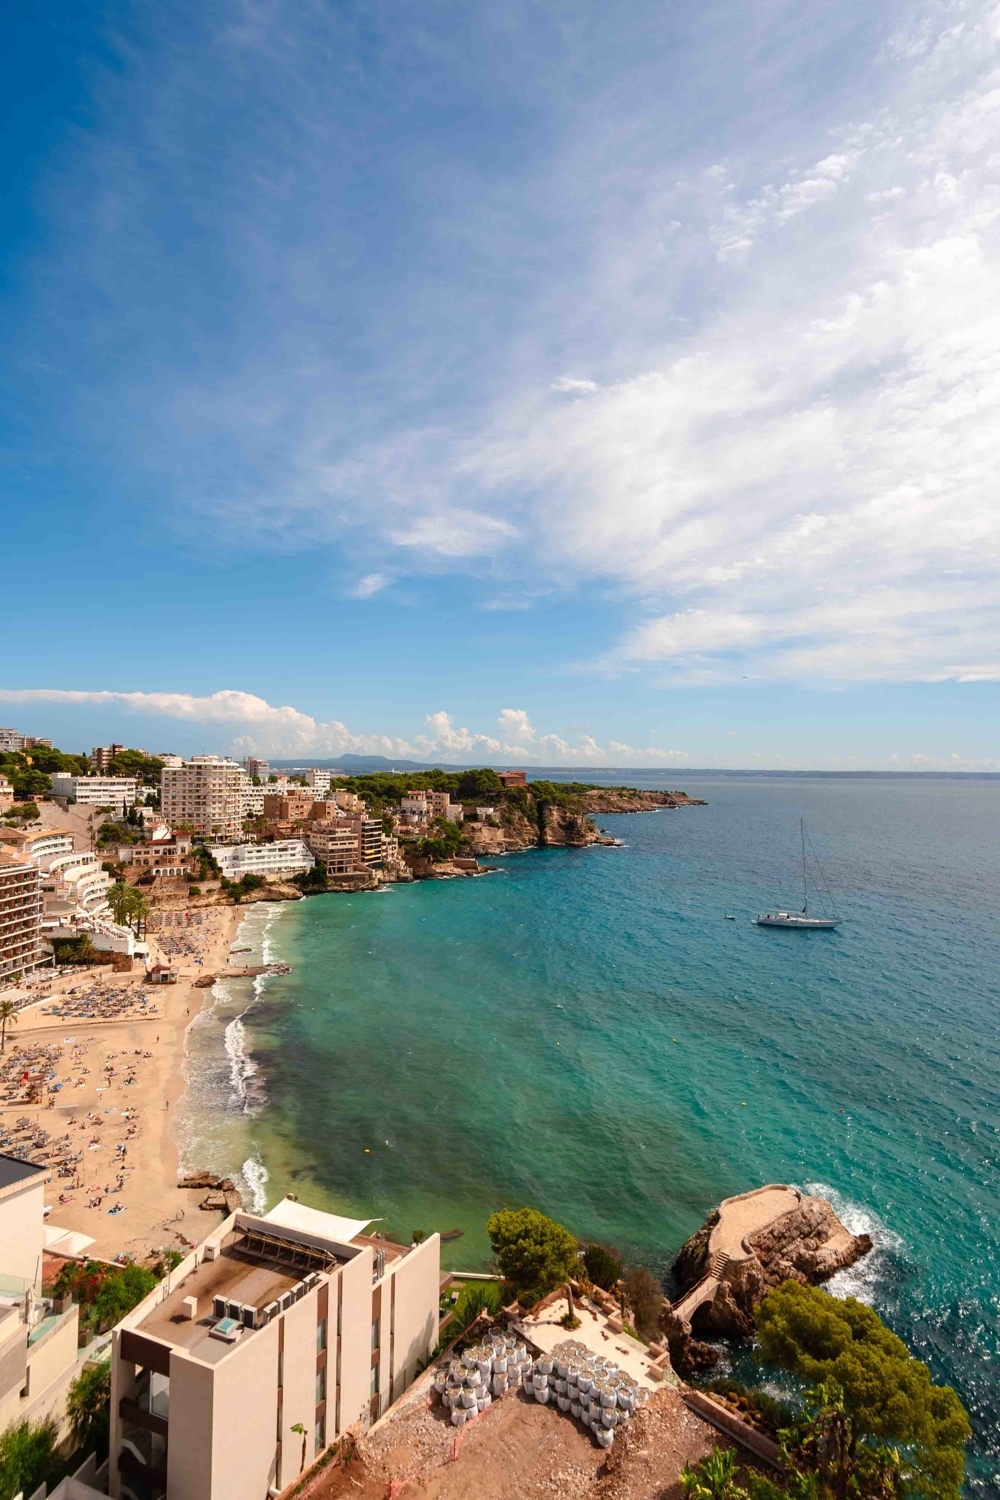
[[320, 1385], [374, 1387], [375, 1333], [320, 1434], [321, 1336]]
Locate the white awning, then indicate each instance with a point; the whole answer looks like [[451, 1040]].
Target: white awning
[[314, 1221], [66, 1241]]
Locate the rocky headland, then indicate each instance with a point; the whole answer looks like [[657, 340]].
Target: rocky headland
[[626, 799], [750, 1244]]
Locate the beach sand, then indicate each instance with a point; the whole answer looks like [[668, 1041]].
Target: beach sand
[[102, 1112]]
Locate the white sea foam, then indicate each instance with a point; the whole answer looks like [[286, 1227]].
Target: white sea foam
[[255, 1176], [862, 1279]]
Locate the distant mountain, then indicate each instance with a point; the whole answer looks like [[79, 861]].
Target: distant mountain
[[360, 763]]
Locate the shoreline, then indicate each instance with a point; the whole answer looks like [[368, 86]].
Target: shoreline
[[113, 1100]]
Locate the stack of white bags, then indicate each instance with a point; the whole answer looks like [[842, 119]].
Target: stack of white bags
[[488, 1370], [588, 1386]]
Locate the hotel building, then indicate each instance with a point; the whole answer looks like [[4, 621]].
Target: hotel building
[[20, 916], [259, 1350], [204, 794], [283, 857]]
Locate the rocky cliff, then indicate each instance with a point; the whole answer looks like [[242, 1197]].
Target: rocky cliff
[[808, 1243], [625, 799]]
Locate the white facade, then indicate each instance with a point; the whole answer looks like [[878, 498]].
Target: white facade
[[11, 739], [253, 800], [283, 857], [204, 794], [117, 792], [78, 880], [318, 780]]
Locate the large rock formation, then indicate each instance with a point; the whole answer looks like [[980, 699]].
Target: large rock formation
[[626, 799], [750, 1244]]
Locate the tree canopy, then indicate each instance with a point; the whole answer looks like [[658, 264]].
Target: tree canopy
[[887, 1394], [534, 1254], [603, 1266]]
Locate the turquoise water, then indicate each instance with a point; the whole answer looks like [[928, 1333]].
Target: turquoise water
[[585, 1032]]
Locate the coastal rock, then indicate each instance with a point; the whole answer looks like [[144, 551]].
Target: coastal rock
[[751, 1243], [623, 799]]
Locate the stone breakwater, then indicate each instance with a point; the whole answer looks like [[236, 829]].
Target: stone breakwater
[[751, 1243]]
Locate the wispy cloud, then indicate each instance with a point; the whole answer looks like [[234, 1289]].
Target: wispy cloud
[[369, 585], [786, 459]]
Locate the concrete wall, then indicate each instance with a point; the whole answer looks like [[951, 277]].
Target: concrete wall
[[51, 1366], [414, 1319], [355, 1343], [22, 1231], [299, 1386], [245, 1409], [190, 1441]]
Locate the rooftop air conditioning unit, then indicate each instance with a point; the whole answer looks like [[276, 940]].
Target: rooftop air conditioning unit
[[218, 1307], [234, 1310], [249, 1317], [285, 1300], [270, 1311]]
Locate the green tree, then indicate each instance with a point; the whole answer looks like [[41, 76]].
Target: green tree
[[8, 1017], [27, 1457], [88, 1407], [886, 1395], [122, 1290], [644, 1295], [534, 1253], [29, 783], [603, 1267]]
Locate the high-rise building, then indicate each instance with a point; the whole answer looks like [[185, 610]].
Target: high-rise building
[[270, 1340], [255, 767], [204, 794], [11, 739], [20, 916]]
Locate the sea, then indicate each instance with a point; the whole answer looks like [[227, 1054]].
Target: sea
[[583, 1030]]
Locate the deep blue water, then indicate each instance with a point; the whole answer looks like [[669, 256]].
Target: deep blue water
[[587, 1033]]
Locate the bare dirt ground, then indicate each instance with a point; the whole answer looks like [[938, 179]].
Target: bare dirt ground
[[518, 1450]]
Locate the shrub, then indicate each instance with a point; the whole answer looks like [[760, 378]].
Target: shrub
[[481, 1297], [603, 1267], [88, 1407], [27, 1457], [645, 1297]]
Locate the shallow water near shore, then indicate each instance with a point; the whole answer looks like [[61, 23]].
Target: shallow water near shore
[[586, 1032]]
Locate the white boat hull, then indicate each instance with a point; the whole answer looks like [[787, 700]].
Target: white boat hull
[[798, 921]]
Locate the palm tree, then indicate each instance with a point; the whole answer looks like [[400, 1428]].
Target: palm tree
[[8, 1017]]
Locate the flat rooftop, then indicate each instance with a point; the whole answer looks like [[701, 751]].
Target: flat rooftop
[[243, 1272], [13, 1170]]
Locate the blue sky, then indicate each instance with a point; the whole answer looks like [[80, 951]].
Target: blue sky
[[564, 383]]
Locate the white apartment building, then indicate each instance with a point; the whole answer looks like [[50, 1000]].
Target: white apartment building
[[117, 792], [40, 845], [11, 739], [204, 794], [6, 795], [38, 1338], [260, 1349], [253, 799], [317, 780], [283, 857], [76, 882]]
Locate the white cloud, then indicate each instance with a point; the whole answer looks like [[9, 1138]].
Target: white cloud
[[285, 732], [370, 584], [569, 385]]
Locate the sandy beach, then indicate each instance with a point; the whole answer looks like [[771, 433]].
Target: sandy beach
[[93, 1095]]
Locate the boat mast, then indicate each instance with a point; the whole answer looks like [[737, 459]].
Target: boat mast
[[805, 886]]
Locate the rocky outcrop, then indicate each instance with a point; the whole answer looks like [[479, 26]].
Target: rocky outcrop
[[750, 1244], [626, 799], [223, 1196]]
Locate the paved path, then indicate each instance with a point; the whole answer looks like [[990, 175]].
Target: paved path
[[738, 1219]]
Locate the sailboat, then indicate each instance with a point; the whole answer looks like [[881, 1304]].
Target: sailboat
[[801, 920]]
